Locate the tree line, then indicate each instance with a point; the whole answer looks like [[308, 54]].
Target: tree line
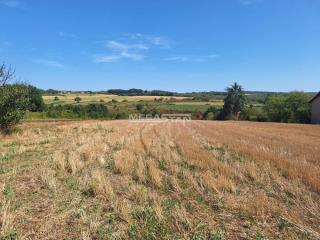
[[17, 98], [290, 108]]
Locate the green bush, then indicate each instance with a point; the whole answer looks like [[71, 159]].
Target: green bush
[[91, 111], [211, 113], [96, 111], [14, 101], [139, 107], [77, 99], [293, 108], [36, 103]]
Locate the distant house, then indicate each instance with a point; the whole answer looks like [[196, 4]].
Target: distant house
[[315, 106]]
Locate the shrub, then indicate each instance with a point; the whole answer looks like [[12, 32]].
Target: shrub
[[121, 115], [77, 99], [14, 100], [96, 111], [36, 103], [293, 108], [211, 113], [139, 107], [56, 98]]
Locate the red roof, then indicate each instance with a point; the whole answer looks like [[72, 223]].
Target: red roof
[[316, 96]]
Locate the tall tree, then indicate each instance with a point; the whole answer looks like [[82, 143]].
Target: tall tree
[[234, 102], [6, 74]]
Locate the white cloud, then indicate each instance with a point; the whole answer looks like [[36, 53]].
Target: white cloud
[[133, 47], [12, 3], [114, 45], [158, 41], [49, 63], [191, 58], [119, 56], [134, 51]]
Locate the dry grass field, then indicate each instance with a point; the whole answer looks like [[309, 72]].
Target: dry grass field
[[160, 180], [87, 98]]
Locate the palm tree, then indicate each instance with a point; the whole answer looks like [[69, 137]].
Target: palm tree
[[234, 102]]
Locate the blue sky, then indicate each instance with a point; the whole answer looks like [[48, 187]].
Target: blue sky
[[177, 45]]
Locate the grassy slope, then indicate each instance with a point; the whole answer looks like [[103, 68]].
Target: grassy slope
[[200, 180]]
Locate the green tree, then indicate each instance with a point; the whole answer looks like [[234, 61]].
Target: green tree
[[234, 102], [14, 100], [298, 105], [276, 109], [96, 111], [293, 108], [36, 103]]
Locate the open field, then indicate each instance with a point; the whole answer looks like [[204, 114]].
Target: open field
[[161, 180], [93, 98]]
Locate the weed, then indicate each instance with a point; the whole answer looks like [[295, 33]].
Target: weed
[[10, 235], [72, 183], [282, 224], [148, 225], [259, 235], [8, 192], [5, 158]]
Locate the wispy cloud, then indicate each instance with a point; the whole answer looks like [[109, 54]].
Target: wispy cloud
[[150, 39], [48, 63], [250, 2], [118, 46], [12, 3], [133, 47], [191, 58], [119, 56], [120, 51]]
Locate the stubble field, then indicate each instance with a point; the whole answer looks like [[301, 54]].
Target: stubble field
[[160, 180]]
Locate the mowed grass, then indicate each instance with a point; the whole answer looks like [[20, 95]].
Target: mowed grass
[[94, 98], [161, 180]]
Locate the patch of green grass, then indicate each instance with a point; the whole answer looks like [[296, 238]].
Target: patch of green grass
[[2, 170], [10, 235], [259, 235], [147, 225], [110, 165], [44, 142], [72, 183], [186, 165], [8, 192], [117, 147], [12, 144], [162, 164], [282, 224], [114, 218], [5, 158], [200, 232]]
